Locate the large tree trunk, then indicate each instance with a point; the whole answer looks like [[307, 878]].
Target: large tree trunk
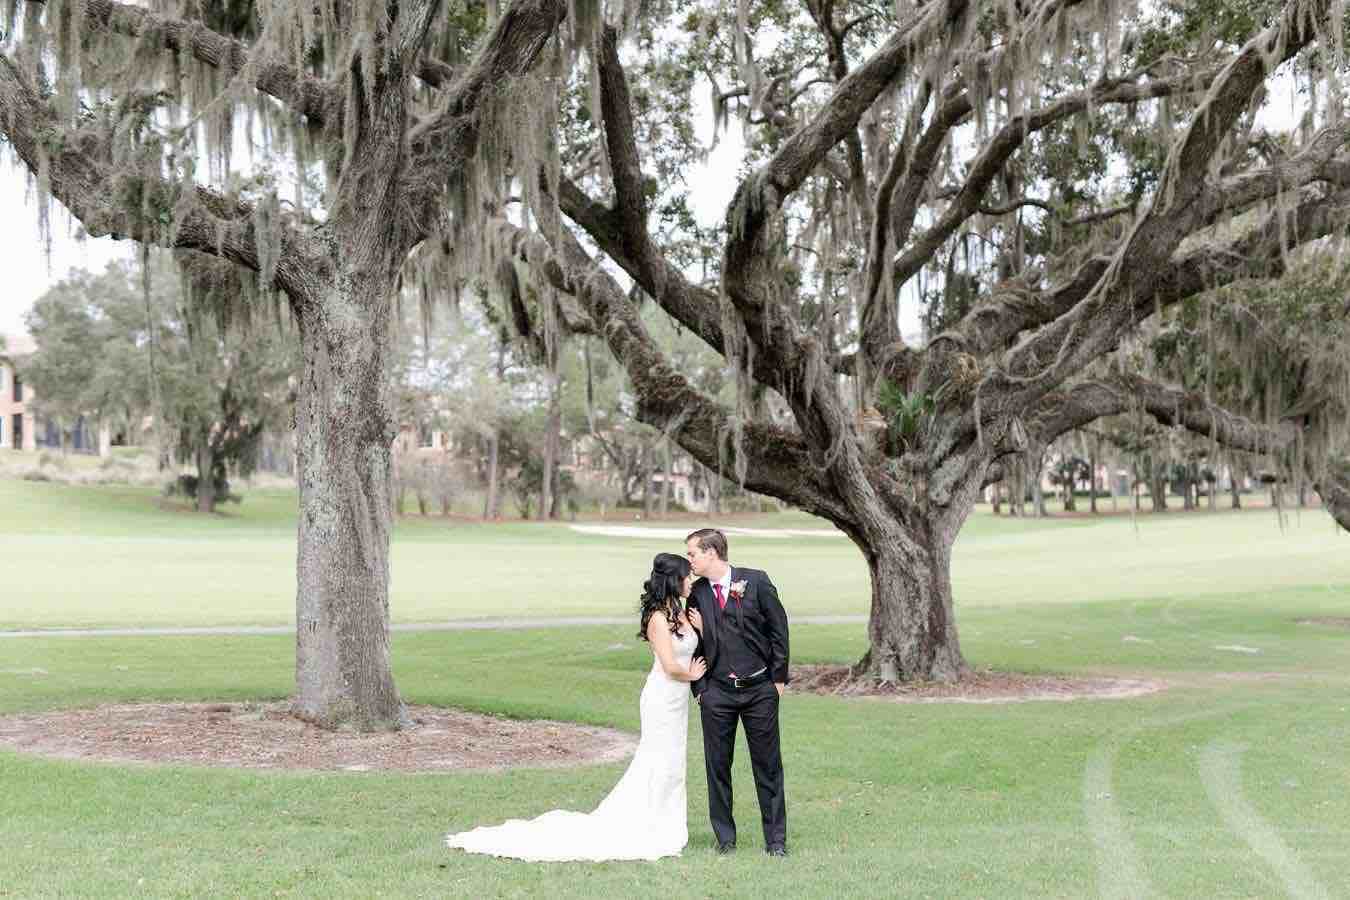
[[490, 510], [1092, 476], [665, 480], [344, 430], [1157, 488], [1334, 489], [551, 440], [912, 628], [1112, 466], [646, 482], [206, 488], [400, 482], [1018, 490]]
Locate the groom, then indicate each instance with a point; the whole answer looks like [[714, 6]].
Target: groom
[[745, 642]]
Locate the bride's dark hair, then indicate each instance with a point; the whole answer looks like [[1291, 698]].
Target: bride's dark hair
[[661, 592]]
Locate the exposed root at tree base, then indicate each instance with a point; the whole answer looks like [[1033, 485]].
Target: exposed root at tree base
[[977, 686], [267, 736]]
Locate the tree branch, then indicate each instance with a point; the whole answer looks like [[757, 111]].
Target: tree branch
[[1011, 137], [80, 174], [1014, 206], [317, 100], [1013, 309], [1259, 253], [1060, 412], [616, 109], [1178, 207], [444, 139], [768, 187], [749, 275], [776, 460], [694, 307], [878, 322], [1101, 215]]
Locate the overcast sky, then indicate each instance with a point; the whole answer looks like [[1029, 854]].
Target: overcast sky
[[26, 275]]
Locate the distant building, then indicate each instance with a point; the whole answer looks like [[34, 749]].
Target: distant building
[[18, 424]]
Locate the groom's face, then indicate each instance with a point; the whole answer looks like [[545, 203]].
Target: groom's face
[[700, 560]]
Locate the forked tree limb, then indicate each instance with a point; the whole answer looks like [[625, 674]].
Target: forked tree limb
[[1094, 325], [776, 459]]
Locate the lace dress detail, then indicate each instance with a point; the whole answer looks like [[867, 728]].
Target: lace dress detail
[[645, 816]]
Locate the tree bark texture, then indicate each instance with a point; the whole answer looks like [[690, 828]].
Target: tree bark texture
[[665, 478], [490, 504], [911, 628], [1334, 489], [206, 488], [344, 431]]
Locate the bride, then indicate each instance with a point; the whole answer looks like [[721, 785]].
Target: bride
[[644, 816]]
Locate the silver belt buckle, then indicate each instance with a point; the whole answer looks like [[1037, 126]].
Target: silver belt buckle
[[736, 681]]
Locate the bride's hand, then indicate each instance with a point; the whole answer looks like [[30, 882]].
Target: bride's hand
[[695, 619], [697, 668]]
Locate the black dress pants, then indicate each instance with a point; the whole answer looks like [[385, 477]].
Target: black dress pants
[[721, 708]]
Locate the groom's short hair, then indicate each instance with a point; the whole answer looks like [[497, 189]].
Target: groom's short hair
[[710, 539]]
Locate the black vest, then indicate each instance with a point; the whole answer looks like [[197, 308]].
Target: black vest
[[734, 652]]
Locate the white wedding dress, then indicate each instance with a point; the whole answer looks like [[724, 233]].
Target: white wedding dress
[[644, 817]]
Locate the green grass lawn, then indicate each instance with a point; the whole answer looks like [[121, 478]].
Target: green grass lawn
[[1231, 783], [156, 567]]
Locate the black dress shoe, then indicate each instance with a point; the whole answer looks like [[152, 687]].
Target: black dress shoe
[[726, 848], [776, 851]]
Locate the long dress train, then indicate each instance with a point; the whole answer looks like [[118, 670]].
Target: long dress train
[[643, 817]]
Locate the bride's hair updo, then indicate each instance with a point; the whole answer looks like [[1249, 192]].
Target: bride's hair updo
[[661, 592]]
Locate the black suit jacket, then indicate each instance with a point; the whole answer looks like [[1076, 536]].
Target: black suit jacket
[[760, 597]]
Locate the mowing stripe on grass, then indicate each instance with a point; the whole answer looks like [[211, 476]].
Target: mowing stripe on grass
[[1221, 770], [1118, 871]]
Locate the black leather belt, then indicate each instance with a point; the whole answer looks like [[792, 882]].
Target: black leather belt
[[751, 680]]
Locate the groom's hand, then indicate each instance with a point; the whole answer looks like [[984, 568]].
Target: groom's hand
[[781, 688]]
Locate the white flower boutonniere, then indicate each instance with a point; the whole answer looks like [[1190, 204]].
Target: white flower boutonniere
[[737, 590]]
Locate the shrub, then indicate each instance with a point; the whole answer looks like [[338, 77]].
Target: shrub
[[186, 486]]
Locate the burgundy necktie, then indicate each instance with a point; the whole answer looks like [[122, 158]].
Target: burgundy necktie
[[721, 601]]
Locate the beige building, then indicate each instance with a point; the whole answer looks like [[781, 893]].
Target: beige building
[[18, 425]]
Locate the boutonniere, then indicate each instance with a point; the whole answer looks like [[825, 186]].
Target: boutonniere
[[737, 590]]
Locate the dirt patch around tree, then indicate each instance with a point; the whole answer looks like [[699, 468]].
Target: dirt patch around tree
[[1331, 621], [266, 736], [980, 686]]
